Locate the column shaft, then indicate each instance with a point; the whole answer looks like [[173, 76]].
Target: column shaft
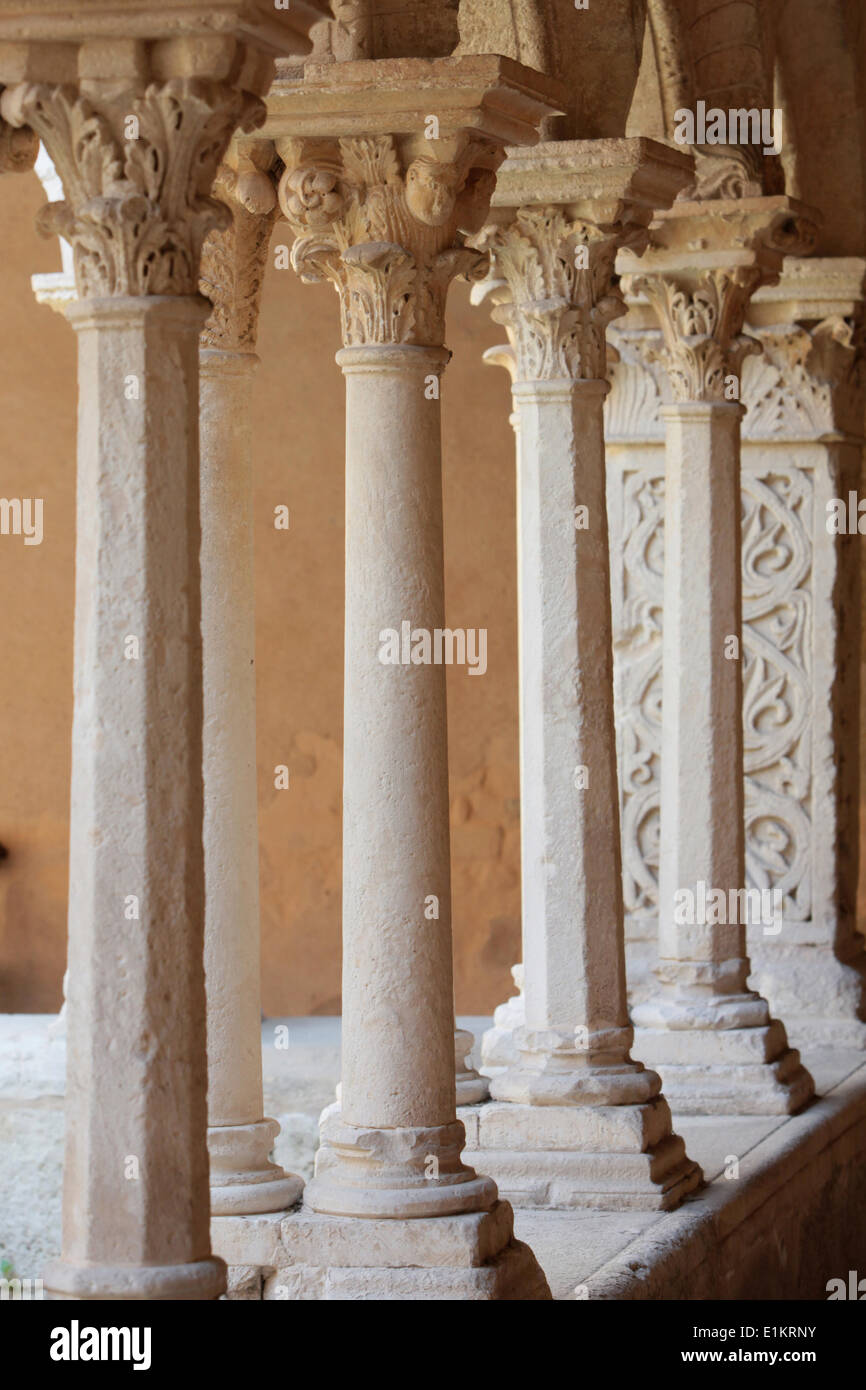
[[572, 895], [398, 1037], [702, 831], [239, 1139], [135, 1210]]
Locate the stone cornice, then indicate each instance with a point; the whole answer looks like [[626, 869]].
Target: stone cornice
[[607, 181], [258, 22], [395, 96], [812, 288]]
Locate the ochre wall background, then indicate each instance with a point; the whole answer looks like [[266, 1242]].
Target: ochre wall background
[[298, 441]]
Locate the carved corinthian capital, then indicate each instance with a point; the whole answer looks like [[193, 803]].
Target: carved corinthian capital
[[380, 221], [560, 213], [137, 172], [702, 328], [234, 258], [704, 262], [559, 273]]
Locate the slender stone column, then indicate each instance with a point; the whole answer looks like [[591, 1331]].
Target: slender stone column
[[137, 152], [243, 1180], [397, 1077], [711, 1036], [380, 214], [574, 1121]]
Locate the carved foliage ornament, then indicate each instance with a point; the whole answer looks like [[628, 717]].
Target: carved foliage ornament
[[137, 207], [386, 235], [563, 295], [234, 259], [778, 624], [702, 328], [809, 380]]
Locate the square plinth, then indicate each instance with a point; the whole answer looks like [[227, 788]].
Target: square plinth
[[734, 1071], [470, 1256], [562, 1157]]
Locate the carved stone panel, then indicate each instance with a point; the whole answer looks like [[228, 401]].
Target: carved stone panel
[[778, 526]]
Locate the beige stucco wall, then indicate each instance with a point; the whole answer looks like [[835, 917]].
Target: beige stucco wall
[[299, 574]]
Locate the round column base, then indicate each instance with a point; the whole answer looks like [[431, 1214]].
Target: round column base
[[201, 1280], [243, 1181], [403, 1173], [471, 1086]]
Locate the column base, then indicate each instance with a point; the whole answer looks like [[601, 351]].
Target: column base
[[201, 1280], [499, 1043], [733, 1071], [821, 998], [551, 1071], [471, 1086], [473, 1256], [564, 1157], [243, 1179], [409, 1172]]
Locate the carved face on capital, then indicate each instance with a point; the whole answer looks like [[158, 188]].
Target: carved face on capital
[[431, 191]]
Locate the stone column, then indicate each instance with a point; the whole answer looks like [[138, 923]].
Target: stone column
[[574, 1121], [711, 1037], [136, 125], [379, 211], [243, 1180], [801, 450]]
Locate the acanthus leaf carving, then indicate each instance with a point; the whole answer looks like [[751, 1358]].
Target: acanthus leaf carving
[[562, 291], [136, 210], [233, 259], [386, 230], [809, 380], [701, 327]]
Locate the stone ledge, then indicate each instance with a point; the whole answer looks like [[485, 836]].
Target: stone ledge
[[793, 1219]]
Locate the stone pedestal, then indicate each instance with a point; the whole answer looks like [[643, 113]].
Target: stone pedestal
[[379, 209], [461, 1258], [574, 1120], [710, 1035]]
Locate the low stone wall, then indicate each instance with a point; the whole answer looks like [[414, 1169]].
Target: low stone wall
[[782, 1231], [794, 1218]]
